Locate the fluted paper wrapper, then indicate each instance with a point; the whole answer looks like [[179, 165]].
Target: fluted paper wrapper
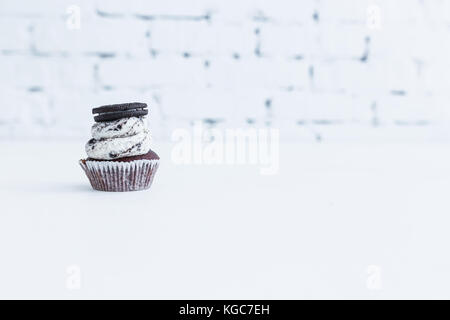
[[120, 176]]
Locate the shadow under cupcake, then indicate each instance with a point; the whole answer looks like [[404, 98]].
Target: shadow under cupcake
[[119, 154]]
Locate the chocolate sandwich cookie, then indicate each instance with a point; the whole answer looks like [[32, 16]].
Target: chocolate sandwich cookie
[[119, 111]]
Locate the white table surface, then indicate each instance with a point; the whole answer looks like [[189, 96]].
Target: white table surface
[[310, 231]]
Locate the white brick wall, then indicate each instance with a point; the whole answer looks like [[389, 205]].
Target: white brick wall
[[311, 67]]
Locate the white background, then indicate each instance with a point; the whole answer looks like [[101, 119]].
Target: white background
[[358, 208]]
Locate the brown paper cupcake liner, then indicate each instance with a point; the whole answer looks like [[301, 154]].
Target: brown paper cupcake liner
[[120, 176]]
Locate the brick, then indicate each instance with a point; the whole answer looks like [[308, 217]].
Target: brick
[[364, 109], [347, 75], [26, 73], [237, 13], [40, 73], [111, 36], [329, 108], [257, 73], [417, 40], [234, 107], [284, 41], [197, 103], [153, 72], [406, 110], [342, 41], [17, 38], [279, 12], [251, 104], [152, 9], [291, 105], [352, 11], [237, 40], [172, 37], [25, 108], [202, 38], [434, 77], [401, 10], [43, 8], [288, 12], [10, 98], [437, 11], [375, 77]]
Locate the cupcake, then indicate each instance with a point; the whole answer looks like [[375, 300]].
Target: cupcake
[[119, 155]]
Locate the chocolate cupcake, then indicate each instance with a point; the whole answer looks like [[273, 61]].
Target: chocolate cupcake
[[119, 155]]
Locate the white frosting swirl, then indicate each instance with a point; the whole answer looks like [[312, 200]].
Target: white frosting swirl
[[120, 138], [119, 128]]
